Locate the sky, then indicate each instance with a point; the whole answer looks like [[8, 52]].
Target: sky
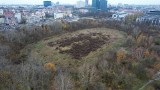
[[139, 2]]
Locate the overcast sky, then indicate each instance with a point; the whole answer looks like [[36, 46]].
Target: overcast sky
[[148, 2]]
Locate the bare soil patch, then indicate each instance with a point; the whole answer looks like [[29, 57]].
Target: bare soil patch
[[80, 45]]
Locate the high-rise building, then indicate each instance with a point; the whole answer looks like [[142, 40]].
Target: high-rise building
[[57, 3], [80, 4], [86, 3], [103, 5], [99, 5], [47, 3], [95, 4]]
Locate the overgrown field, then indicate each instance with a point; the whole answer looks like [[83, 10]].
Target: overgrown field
[[79, 44]]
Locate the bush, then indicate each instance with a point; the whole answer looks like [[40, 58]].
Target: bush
[[5, 80], [50, 66], [140, 72], [121, 54], [157, 41], [148, 62]]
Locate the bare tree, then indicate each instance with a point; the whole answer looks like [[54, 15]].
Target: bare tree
[[62, 80]]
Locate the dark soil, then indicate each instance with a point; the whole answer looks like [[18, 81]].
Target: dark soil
[[82, 44]]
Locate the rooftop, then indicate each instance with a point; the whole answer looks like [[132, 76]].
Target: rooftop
[[154, 13]]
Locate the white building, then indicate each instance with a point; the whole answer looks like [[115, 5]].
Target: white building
[[83, 10], [1, 11], [2, 20], [18, 16], [59, 15], [41, 14], [13, 10], [33, 19], [120, 15], [80, 4]]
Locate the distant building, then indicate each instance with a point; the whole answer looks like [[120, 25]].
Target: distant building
[[95, 4], [57, 3], [103, 5], [1, 11], [80, 4], [33, 19], [13, 10], [86, 3], [40, 14], [10, 21], [47, 3], [18, 16], [150, 18], [59, 15], [99, 5], [119, 15], [9, 18], [120, 5], [2, 19], [8, 14], [83, 10]]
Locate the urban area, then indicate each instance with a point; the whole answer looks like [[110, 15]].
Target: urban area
[[11, 16]]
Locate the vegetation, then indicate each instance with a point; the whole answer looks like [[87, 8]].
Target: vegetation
[[58, 56], [97, 14]]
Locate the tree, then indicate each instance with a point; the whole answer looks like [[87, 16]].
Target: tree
[[132, 18], [23, 21], [62, 80]]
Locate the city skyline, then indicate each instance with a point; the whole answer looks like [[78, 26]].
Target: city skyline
[[138, 2]]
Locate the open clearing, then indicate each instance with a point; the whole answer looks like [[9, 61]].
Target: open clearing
[[76, 47]]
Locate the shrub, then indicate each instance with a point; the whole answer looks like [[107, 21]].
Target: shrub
[[121, 54], [5, 80], [140, 72], [146, 53], [138, 53], [148, 62], [141, 40], [157, 41], [50, 66], [129, 42]]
